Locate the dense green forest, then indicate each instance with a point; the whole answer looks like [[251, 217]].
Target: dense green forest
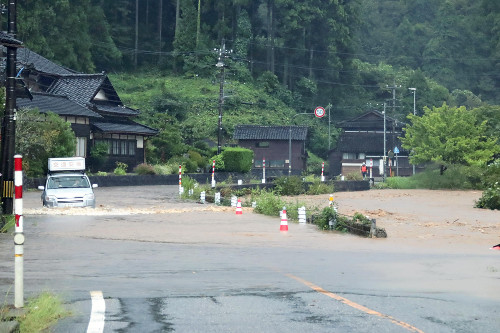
[[296, 54]]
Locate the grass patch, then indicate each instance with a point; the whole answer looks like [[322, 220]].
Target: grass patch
[[457, 177], [42, 312], [7, 223]]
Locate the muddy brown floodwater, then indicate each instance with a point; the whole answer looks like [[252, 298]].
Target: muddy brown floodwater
[[431, 218], [436, 218]]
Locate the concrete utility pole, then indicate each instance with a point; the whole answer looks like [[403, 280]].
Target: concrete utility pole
[[393, 88], [385, 148], [220, 65], [8, 121], [414, 90]]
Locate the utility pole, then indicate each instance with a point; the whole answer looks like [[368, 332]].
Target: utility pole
[[385, 148], [393, 88], [136, 33], [414, 90], [8, 121], [220, 65]]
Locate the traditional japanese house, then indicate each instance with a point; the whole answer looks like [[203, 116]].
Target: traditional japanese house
[[362, 141], [90, 103], [275, 144]]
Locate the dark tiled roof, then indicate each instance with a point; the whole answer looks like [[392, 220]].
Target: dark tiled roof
[[28, 58], [115, 109], [7, 40], [366, 142], [60, 105], [128, 127], [371, 120], [255, 132], [80, 88]]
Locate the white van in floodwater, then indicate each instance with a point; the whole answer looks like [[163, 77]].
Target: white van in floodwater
[[67, 184]]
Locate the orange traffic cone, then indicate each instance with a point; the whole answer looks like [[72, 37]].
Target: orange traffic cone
[[284, 221], [239, 211]]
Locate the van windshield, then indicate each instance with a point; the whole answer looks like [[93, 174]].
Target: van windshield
[[68, 182]]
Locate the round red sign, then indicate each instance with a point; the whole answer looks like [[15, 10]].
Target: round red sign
[[319, 112]]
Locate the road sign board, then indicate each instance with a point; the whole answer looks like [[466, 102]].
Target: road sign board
[[319, 112], [396, 150], [370, 163]]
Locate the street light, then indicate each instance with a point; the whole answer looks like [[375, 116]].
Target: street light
[[414, 90]]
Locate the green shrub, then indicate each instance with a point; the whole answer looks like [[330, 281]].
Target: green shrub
[[197, 158], [237, 159], [188, 165], [102, 173], [490, 198], [291, 185], [319, 187], [454, 177], [401, 182], [322, 220], [98, 155], [314, 164], [165, 169], [144, 169], [121, 169], [491, 173], [354, 176], [268, 203], [219, 163]]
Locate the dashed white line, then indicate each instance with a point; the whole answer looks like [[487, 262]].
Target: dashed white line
[[96, 323]]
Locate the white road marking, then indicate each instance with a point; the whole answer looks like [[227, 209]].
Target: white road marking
[[96, 323]]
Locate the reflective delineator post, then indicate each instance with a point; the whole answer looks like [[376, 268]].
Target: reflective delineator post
[[284, 221], [213, 173], [322, 171], [302, 215], [264, 171], [19, 233], [180, 179]]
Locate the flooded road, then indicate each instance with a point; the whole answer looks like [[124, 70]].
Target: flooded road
[[164, 265]]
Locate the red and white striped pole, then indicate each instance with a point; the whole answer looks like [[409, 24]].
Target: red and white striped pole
[[180, 179], [264, 171], [322, 171], [18, 234], [213, 173]]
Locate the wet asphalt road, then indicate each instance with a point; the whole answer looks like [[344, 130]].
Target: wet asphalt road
[[199, 270]]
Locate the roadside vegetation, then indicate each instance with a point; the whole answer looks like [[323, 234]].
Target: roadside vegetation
[[41, 313]]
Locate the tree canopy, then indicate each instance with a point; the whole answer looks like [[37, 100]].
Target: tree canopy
[[40, 136], [448, 135]]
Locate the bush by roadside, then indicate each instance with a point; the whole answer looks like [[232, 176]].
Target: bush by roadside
[[39, 315]]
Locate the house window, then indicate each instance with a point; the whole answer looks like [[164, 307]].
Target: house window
[[349, 156], [131, 147], [277, 164], [119, 147], [81, 147], [262, 144]]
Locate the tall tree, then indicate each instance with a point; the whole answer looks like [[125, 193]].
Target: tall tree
[[448, 135]]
